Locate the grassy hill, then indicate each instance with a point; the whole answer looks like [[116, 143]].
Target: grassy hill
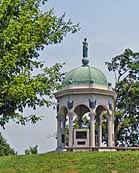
[[85, 162]]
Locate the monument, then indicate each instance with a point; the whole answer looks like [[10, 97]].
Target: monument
[[85, 92]]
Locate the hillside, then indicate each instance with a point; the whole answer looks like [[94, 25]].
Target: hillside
[[93, 162]]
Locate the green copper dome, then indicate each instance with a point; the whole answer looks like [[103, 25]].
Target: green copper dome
[[85, 75]]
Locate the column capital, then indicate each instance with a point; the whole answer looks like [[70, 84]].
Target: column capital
[[59, 117], [110, 117], [70, 114], [92, 113], [92, 116], [110, 112], [63, 119]]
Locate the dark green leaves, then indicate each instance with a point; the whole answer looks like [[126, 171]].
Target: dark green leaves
[[24, 31], [126, 68]]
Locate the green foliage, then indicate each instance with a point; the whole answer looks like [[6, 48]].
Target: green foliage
[[32, 150], [82, 122], [126, 68], [5, 148], [27, 152], [24, 31]]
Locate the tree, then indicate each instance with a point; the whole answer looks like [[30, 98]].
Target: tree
[[32, 150], [24, 31], [5, 148], [126, 69]]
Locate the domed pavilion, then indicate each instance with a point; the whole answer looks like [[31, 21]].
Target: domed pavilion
[[85, 108]]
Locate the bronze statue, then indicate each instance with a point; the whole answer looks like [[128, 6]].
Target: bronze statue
[[85, 48]]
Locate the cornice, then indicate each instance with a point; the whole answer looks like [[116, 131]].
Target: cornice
[[81, 90]]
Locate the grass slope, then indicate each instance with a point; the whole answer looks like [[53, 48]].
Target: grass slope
[[85, 162]]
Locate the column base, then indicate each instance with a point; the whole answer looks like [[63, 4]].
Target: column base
[[60, 149]]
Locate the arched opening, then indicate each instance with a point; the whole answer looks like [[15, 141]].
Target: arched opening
[[81, 120], [101, 126], [61, 126], [81, 126]]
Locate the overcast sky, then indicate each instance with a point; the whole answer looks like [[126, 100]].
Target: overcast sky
[[110, 26]]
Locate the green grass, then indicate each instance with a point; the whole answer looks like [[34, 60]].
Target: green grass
[[66, 162]]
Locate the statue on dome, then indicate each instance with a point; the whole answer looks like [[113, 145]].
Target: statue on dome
[[85, 48]]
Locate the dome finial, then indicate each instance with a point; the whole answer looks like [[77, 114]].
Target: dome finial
[[85, 60]]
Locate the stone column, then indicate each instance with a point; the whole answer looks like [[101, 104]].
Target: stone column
[[59, 132], [63, 125], [100, 131], [70, 115], [63, 132], [110, 131], [92, 129], [113, 140]]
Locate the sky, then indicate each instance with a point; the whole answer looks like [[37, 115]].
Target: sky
[[110, 26]]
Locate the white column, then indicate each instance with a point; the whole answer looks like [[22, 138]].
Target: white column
[[113, 139], [100, 131], [63, 126], [59, 132], [92, 129], [63, 132], [110, 131], [70, 129]]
